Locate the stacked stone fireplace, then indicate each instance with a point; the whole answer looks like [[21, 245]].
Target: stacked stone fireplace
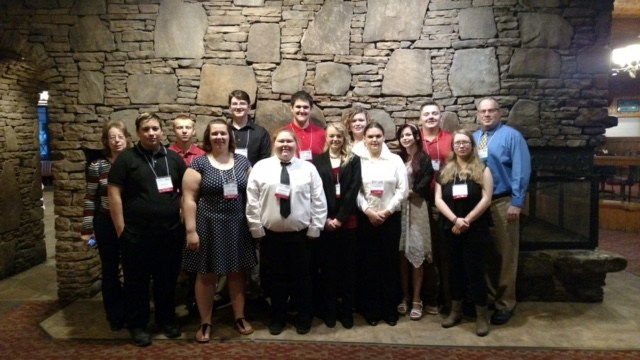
[[545, 61], [559, 259]]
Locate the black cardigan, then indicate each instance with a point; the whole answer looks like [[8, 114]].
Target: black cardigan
[[422, 179], [350, 182]]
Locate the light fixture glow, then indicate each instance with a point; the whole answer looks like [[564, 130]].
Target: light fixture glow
[[626, 59]]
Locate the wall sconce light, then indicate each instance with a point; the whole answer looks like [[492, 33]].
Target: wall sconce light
[[626, 60]]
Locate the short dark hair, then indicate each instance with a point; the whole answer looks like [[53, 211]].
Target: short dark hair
[[144, 117], [239, 94], [302, 95], [206, 140]]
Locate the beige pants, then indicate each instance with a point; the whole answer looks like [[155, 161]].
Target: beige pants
[[502, 256]]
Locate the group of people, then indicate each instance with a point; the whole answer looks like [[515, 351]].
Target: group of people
[[337, 221]]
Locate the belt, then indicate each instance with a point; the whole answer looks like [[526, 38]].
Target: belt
[[498, 196]]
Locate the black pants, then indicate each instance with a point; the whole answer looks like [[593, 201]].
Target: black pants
[[287, 255], [379, 268], [337, 259], [441, 261], [154, 256], [109, 251], [467, 267]]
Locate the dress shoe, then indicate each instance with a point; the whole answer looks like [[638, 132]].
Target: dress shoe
[[171, 331], [371, 321], [303, 325], [140, 337], [501, 317], [392, 321], [330, 322], [346, 321], [276, 327]]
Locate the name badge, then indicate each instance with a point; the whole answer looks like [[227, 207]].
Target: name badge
[[306, 155], [483, 153], [230, 191], [164, 184], [435, 163], [242, 152], [338, 191], [282, 191], [460, 191], [377, 187]]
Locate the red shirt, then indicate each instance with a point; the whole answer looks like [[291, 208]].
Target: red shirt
[[310, 138], [188, 156], [438, 149]]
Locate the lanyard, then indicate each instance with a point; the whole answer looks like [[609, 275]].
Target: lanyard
[[233, 174], [151, 162]]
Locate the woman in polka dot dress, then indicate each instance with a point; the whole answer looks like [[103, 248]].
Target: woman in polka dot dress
[[218, 239]]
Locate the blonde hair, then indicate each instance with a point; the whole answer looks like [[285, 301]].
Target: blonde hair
[[345, 152], [475, 167], [348, 115]]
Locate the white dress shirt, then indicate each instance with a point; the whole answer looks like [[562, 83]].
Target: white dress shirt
[[308, 203], [389, 169]]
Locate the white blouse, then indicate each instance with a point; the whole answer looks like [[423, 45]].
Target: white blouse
[[389, 171]]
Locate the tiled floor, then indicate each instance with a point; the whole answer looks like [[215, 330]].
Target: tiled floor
[[611, 325]]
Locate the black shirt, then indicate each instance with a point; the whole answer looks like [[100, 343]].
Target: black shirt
[[255, 139], [145, 208]]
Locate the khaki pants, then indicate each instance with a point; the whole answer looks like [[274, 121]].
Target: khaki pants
[[502, 256]]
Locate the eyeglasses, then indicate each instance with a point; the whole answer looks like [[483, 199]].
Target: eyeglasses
[[462, 143], [115, 138], [488, 111]]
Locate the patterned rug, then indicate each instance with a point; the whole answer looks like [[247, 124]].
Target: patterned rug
[[21, 338]]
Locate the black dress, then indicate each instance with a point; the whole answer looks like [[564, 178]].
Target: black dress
[[467, 250]]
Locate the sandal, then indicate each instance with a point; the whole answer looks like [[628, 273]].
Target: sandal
[[244, 328], [202, 335], [416, 311], [402, 307]]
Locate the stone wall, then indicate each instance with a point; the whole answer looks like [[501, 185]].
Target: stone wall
[[21, 216], [545, 60]]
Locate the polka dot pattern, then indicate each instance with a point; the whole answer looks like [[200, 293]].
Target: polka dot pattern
[[226, 245]]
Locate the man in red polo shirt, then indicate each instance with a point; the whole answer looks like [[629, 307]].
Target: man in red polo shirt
[[311, 138], [185, 128]]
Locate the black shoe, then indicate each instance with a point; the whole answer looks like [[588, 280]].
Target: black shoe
[[392, 321], [346, 321], [371, 321], [171, 331], [140, 337], [501, 317], [276, 327], [330, 321], [116, 326], [303, 326]]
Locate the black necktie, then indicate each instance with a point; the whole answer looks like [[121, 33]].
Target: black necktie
[[285, 204]]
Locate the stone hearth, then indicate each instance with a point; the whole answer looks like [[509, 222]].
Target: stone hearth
[[565, 275]]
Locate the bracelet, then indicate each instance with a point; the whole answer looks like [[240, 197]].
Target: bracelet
[[454, 220]]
